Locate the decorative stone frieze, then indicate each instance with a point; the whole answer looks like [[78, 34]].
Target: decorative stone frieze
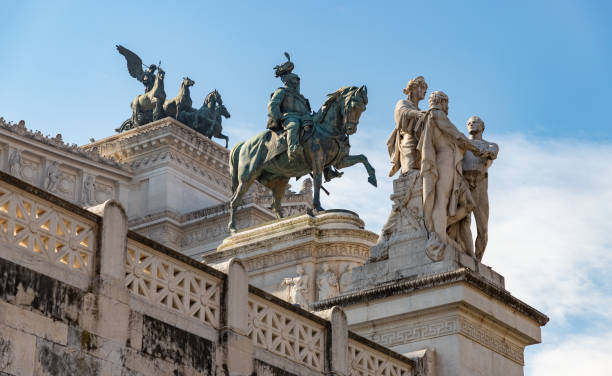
[[60, 168]]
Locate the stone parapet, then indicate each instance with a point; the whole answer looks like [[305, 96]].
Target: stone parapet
[[82, 295]]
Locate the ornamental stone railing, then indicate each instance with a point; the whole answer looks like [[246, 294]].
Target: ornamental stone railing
[[77, 285], [286, 333]]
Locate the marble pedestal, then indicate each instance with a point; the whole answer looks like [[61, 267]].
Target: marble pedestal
[[402, 253], [272, 252], [455, 310]]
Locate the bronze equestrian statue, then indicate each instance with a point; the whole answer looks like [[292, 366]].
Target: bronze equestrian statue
[[323, 146]]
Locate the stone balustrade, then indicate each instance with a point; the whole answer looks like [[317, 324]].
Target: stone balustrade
[[81, 294], [367, 361]]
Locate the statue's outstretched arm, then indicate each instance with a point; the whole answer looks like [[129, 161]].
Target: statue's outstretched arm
[[448, 128]]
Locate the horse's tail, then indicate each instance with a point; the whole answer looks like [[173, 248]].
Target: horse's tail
[[233, 164]]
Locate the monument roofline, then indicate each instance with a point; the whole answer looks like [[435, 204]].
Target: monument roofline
[[57, 145], [406, 286], [136, 140]]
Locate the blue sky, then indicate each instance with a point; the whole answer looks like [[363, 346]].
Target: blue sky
[[538, 73]]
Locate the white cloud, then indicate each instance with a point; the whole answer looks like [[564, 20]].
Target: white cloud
[[576, 355], [550, 235]]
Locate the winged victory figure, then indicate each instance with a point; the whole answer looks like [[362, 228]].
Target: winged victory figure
[[134, 65]]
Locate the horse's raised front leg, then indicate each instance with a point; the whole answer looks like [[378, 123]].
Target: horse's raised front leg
[[350, 160]]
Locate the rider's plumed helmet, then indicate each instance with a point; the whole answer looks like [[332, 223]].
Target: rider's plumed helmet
[[284, 68]]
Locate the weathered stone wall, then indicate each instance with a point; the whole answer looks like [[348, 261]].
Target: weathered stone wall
[[81, 295]]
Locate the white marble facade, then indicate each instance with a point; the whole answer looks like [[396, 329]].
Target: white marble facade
[[173, 181]]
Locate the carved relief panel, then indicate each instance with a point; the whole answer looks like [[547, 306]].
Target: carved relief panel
[[31, 168]]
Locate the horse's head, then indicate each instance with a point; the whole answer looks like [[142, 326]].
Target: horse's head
[[160, 73], [213, 99], [354, 105], [187, 82], [222, 111]]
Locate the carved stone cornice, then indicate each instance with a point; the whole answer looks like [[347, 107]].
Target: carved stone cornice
[[293, 254], [57, 142], [327, 225], [332, 234], [129, 146], [407, 286], [445, 326]]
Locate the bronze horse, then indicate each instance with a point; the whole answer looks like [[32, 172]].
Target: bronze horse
[[181, 102]]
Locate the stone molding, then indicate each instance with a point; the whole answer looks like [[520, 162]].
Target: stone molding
[[301, 227], [58, 143], [491, 340], [127, 146], [291, 255], [401, 287], [429, 329], [450, 325]]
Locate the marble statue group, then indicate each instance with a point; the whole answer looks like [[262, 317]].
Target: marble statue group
[[450, 168]]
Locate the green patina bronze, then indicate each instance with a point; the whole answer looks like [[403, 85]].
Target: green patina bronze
[[149, 106], [323, 140], [152, 105], [207, 120]]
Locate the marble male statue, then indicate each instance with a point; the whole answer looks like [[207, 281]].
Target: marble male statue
[[447, 201], [299, 287], [16, 164], [52, 177], [89, 190], [288, 108], [475, 171], [327, 283], [402, 144]]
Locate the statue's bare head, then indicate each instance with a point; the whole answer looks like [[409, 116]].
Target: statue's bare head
[[475, 125], [416, 89], [439, 100], [299, 270]]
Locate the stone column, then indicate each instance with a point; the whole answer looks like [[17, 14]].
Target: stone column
[[106, 312], [236, 347], [337, 342]]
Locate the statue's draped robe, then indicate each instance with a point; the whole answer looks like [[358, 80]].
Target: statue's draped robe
[[442, 146], [402, 152]]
